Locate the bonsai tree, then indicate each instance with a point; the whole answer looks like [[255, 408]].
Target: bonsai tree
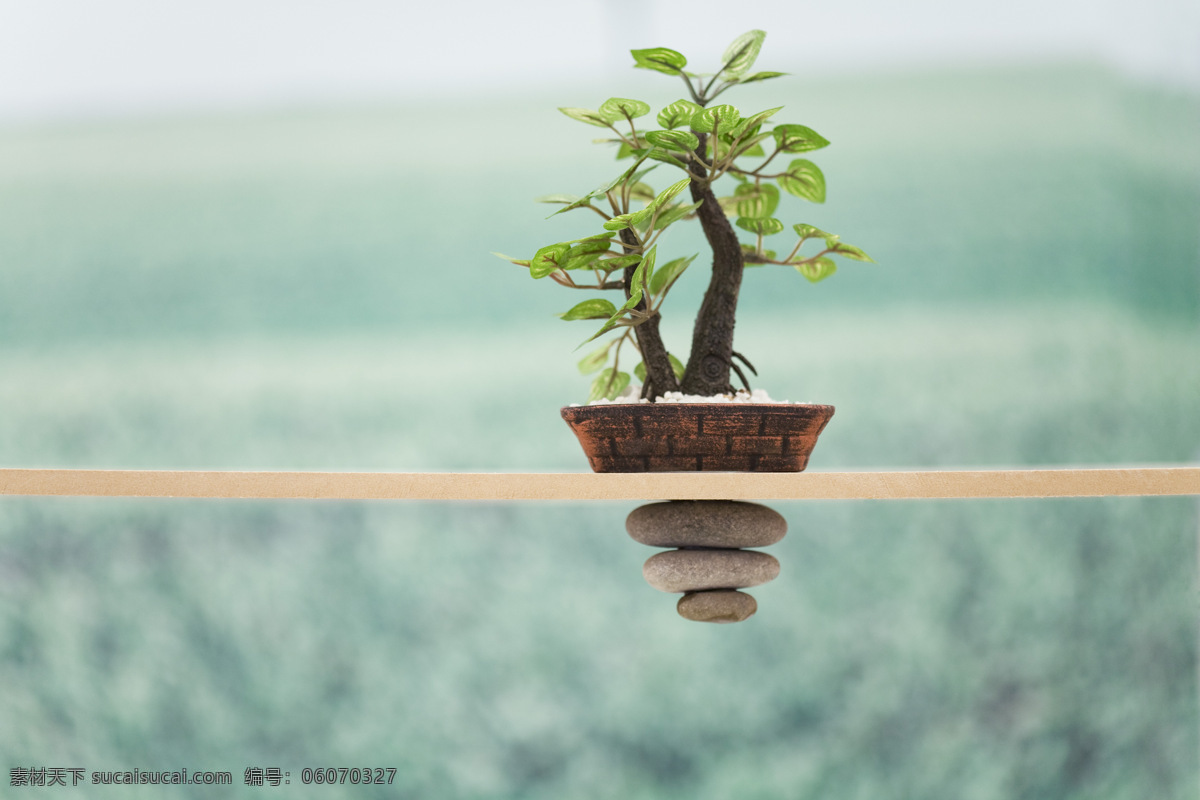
[[704, 143]]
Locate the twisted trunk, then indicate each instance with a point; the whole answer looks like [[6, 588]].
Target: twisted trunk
[[660, 378], [708, 365]]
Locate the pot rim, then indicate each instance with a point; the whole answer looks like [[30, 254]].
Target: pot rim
[[684, 405], [706, 406]]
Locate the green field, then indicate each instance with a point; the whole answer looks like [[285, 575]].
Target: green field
[[307, 290]]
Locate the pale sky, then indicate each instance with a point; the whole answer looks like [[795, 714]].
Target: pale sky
[[83, 57]]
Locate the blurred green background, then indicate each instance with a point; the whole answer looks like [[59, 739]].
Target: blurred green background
[[312, 289]]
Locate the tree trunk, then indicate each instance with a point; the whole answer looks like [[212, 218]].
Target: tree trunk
[[708, 365], [660, 378]]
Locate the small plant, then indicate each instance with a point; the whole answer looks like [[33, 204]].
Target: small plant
[[705, 143]]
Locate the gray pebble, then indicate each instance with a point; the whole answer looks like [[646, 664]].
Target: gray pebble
[[706, 523], [697, 570], [722, 605]]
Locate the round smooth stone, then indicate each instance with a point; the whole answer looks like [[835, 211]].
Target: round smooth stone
[[722, 605], [706, 523], [697, 570]]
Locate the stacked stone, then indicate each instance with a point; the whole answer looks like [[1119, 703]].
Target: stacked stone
[[709, 564]]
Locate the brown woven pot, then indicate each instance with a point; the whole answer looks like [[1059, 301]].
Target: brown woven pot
[[690, 437]]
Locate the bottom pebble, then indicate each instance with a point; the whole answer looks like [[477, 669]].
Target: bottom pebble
[[720, 605]]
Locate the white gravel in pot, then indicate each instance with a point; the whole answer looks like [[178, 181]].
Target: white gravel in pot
[[633, 392]]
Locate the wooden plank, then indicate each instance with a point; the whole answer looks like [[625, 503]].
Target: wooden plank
[[1098, 482]]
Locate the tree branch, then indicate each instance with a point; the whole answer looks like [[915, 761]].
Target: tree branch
[[660, 378]]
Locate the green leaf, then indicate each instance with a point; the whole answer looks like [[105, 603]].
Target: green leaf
[[617, 108], [643, 274], [679, 141], [597, 237], [630, 176], [848, 251], [518, 261], [668, 194], [599, 385], [595, 308], [641, 191], [756, 200], [608, 387], [586, 200], [751, 122], [665, 276], [547, 259], [636, 287], [625, 151], [607, 326], [621, 262], [804, 179], [619, 222], [674, 213], [818, 269], [678, 113], [594, 360], [665, 156], [676, 366], [584, 115], [557, 198], [665, 196], [809, 231], [639, 371], [638, 217], [659, 59], [721, 145], [725, 117], [585, 253], [741, 54], [761, 76], [619, 385], [765, 227], [798, 139], [752, 146]]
